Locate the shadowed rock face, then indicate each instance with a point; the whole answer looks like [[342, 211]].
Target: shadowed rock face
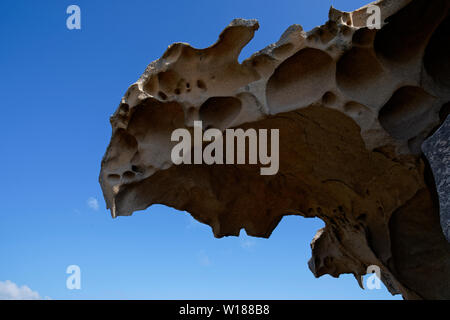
[[353, 106], [437, 150]]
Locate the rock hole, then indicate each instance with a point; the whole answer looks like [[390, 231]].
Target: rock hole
[[329, 98], [113, 177], [151, 85], [437, 54], [406, 33], [364, 37], [357, 69], [168, 80], [162, 95], [201, 85], [219, 112], [137, 169], [407, 114], [296, 81], [128, 175]]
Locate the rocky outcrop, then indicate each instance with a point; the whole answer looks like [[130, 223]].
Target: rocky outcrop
[[437, 150], [353, 106]]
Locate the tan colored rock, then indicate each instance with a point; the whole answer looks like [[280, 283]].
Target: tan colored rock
[[353, 106]]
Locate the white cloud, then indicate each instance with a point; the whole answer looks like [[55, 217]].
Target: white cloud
[[247, 243], [92, 203], [11, 291], [203, 259]]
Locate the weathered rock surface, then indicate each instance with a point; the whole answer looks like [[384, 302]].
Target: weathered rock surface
[[353, 106], [437, 150]]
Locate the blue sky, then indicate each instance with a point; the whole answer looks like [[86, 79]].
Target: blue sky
[[58, 89]]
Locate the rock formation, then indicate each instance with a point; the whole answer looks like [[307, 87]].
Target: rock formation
[[353, 105], [437, 150]]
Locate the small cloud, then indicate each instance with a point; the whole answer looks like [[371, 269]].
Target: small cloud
[[93, 203], [11, 291], [203, 259], [248, 243]]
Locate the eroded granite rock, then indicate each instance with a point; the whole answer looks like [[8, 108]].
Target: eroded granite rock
[[437, 150], [352, 105]]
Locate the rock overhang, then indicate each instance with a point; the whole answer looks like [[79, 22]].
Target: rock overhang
[[353, 106]]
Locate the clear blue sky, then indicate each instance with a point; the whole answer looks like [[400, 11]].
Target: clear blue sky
[[58, 88]]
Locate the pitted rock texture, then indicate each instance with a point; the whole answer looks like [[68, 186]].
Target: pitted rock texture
[[437, 150], [353, 106]]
